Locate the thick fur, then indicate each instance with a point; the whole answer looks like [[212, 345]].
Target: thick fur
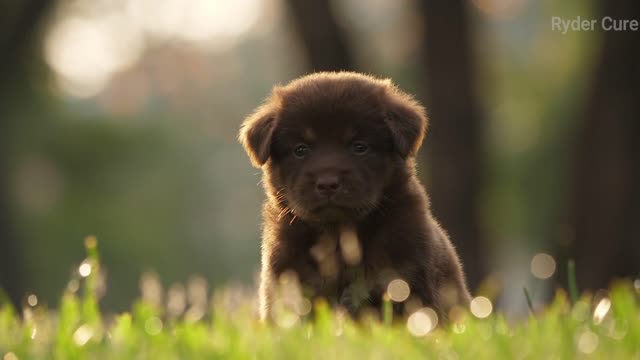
[[339, 220]]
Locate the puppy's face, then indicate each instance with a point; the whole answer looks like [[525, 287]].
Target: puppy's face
[[330, 144], [330, 166]]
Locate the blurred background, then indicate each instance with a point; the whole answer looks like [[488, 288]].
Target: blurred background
[[119, 120]]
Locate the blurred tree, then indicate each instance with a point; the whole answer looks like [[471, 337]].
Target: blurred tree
[[323, 41], [20, 22], [454, 150], [605, 203]]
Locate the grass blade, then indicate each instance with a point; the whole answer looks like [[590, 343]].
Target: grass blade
[[573, 283], [387, 310], [528, 297]]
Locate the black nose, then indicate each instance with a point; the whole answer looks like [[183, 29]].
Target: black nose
[[327, 184]]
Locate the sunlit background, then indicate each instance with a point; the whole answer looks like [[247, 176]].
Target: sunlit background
[[122, 119]]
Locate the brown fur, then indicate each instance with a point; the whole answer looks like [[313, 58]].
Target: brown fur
[[340, 220]]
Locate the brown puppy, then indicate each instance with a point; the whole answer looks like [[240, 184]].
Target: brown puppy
[[345, 213]]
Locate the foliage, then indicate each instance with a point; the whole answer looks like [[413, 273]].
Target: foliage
[[603, 326]]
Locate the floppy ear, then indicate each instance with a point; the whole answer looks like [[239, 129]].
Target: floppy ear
[[256, 133], [407, 120]]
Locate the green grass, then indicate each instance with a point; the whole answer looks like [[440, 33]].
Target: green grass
[[77, 330]]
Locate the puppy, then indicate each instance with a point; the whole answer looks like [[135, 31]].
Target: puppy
[[345, 216]]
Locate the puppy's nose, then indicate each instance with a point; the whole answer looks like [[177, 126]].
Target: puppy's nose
[[327, 184]]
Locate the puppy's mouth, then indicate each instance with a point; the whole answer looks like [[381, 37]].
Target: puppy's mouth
[[330, 207], [331, 212]]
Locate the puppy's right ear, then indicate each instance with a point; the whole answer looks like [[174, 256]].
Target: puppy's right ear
[[256, 133], [407, 120]]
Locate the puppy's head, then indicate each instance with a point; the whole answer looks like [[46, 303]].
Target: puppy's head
[[330, 144]]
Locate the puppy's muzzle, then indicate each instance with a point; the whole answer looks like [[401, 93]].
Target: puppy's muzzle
[[327, 185]]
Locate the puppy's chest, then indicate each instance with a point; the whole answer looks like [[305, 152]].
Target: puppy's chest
[[344, 259]]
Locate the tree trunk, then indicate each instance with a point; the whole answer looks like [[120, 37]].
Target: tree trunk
[[605, 194], [453, 146], [323, 41], [19, 26]]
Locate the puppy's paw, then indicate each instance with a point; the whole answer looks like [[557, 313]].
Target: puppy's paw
[[347, 301], [355, 297]]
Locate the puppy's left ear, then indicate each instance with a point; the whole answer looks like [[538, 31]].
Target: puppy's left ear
[[407, 120], [256, 133]]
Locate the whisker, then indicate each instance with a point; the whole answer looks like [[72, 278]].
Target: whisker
[[283, 212]]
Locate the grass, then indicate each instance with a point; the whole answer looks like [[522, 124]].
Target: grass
[[607, 328]]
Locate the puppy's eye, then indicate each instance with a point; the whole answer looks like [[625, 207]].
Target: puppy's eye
[[359, 148], [301, 150]]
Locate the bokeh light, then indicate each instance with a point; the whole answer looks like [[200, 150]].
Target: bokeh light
[[85, 269], [32, 300], [421, 322], [481, 307], [398, 290], [303, 306], [199, 21], [86, 52], [588, 342], [459, 328], [153, 326], [90, 42], [601, 310], [10, 356], [284, 314], [82, 335], [543, 266]]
